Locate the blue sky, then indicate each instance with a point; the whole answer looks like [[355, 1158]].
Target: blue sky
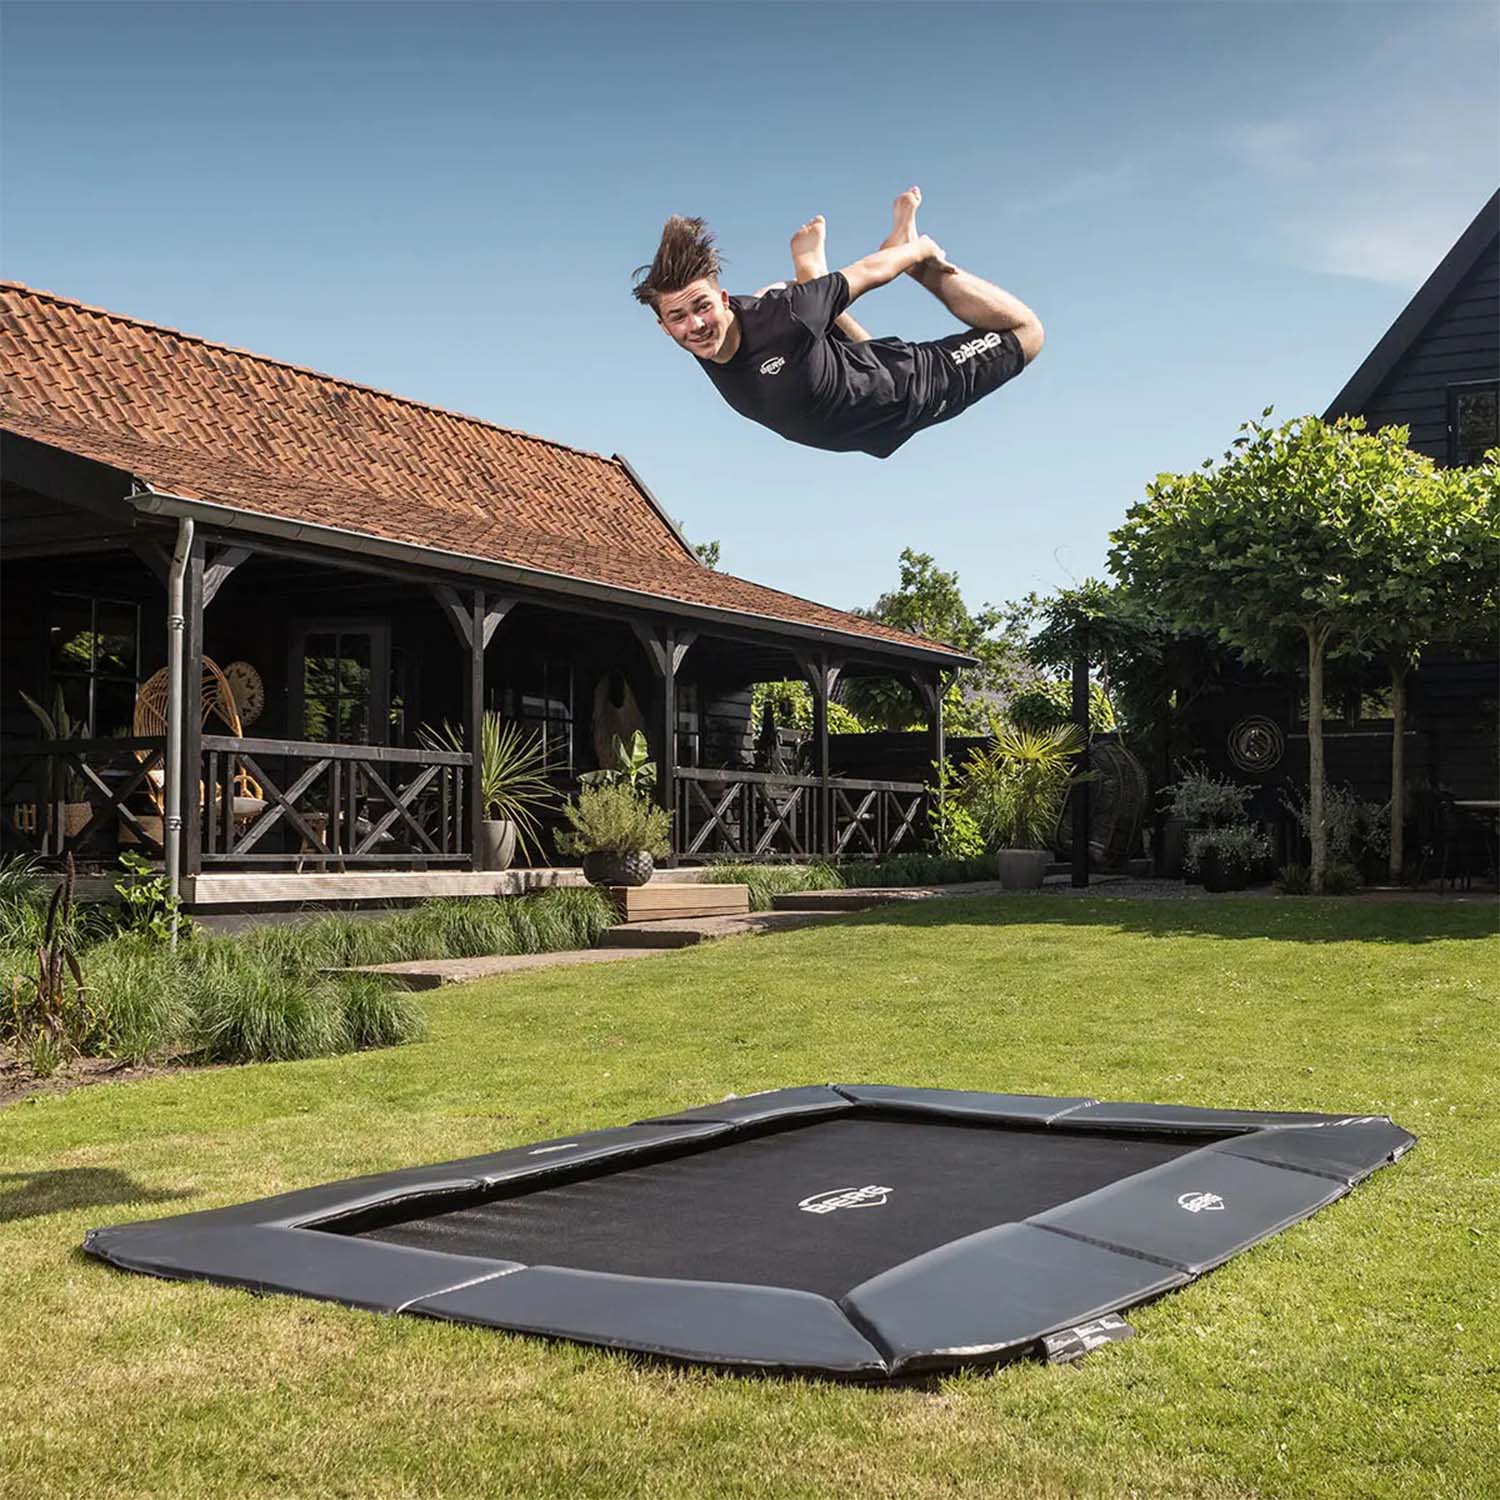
[[1212, 207]]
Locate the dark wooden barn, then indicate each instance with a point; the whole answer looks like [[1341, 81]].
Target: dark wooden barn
[[1436, 370]]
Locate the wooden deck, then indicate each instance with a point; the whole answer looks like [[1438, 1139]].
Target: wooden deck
[[204, 892]]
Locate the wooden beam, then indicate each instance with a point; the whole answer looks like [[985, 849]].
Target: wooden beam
[[457, 612], [496, 607], [216, 573]]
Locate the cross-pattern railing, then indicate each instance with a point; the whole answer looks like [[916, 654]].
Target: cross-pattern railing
[[333, 805], [81, 795], [757, 816]]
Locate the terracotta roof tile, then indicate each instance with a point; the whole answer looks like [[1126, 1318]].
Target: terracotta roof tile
[[209, 422]]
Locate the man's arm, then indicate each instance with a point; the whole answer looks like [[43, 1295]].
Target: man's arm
[[884, 266]]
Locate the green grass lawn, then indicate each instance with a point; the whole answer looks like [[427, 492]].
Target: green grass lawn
[[1354, 1355]]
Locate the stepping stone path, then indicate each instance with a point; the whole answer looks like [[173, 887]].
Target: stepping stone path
[[643, 939]]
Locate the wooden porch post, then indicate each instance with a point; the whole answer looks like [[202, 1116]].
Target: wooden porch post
[[665, 646], [190, 772], [1081, 793], [932, 691], [474, 706], [822, 675]]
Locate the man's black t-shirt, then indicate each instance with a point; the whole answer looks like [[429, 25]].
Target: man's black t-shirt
[[797, 374]]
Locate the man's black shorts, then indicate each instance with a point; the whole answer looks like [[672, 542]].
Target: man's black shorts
[[951, 374]]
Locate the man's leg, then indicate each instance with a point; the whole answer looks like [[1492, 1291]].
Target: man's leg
[[975, 302], [810, 261]]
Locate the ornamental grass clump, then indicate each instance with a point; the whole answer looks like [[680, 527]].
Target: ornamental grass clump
[[377, 1014], [248, 1012], [765, 882]]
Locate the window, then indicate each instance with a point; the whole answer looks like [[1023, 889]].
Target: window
[[541, 700], [1473, 421], [689, 750], [93, 655], [336, 688]]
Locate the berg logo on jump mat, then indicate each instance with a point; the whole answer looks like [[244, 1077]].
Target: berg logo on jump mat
[[1197, 1203], [836, 1198], [975, 347]]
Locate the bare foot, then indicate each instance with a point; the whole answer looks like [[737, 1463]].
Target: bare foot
[[904, 232], [809, 258], [903, 219]]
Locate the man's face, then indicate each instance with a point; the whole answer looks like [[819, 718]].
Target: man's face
[[698, 317]]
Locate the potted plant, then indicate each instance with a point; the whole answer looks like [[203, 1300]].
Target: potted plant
[[619, 832], [512, 785], [1196, 803], [1016, 789], [1225, 857], [58, 724]]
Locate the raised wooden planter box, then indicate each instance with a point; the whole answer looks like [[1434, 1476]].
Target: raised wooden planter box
[[660, 901]]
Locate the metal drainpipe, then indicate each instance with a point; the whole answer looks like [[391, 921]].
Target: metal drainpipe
[[172, 819]]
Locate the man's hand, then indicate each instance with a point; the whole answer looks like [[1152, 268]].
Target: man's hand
[[884, 266]]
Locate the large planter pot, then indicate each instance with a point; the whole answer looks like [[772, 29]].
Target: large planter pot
[[1218, 876], [1022, 869], [497, 844], [609, 867]]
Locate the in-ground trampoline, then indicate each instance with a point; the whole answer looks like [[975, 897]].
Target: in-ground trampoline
[[863, 1231]]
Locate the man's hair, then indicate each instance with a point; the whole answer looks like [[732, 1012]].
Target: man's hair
[[686, 254]]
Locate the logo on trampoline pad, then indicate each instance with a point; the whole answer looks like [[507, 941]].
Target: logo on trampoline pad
[[543, 1150], [773, 366], [1197, 1203], [835, 1198]]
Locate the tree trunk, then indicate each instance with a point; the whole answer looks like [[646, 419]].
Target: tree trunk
[[1398, 770], [1317, 644]]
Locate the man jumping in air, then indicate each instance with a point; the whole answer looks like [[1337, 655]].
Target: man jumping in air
[[793, 359]]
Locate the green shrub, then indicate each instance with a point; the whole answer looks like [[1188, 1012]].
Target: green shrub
[[956, 834], [1049, 705], [377, 1014], [1294, 880], [614, 820], [916, 869], [768, 881], [1341, 880], [1205, 801]]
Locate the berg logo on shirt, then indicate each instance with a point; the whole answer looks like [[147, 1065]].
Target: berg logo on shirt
[[772, 366], [975, 347]]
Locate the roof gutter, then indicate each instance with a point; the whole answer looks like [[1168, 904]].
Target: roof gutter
[[151, 501]]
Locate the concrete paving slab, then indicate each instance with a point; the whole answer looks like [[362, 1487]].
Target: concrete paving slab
[[433, 973]]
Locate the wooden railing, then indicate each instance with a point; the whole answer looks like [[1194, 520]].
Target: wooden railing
[[81, 795], [332, 805], [756, 816]]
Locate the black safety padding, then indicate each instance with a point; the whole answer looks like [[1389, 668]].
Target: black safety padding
[[754, 1109], [1194, 1212], [360, 1273], [1348, 1150], [1033, 1109], [715, 1321], [1183, 1117], [563, 1154], [996, 1291]]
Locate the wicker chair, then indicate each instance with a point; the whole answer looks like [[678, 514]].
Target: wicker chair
[[218, 701]]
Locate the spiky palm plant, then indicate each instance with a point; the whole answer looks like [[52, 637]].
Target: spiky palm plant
[[1017, 786], [512, 772]]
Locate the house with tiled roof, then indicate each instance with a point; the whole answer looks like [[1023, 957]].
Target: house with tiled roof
[[341, 567]]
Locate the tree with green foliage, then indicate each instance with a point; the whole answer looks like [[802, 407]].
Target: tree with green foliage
[[928, 602], [1286, 538]]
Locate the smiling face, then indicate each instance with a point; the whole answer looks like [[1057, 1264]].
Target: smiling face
[[698, 317]]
